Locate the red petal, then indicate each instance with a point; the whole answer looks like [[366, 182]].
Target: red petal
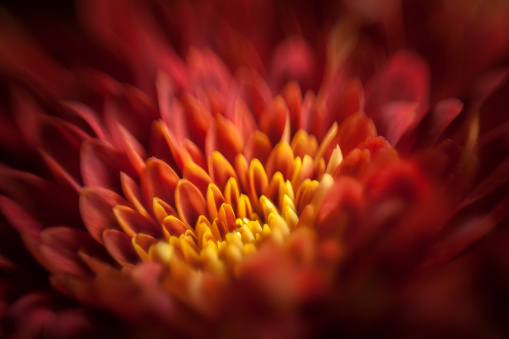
[[133, 222], [342, 206], [54, 204], [293, 98], [272, 121], [258, 146], [197, 176], [198, 119], [405, 77], [120, 247], [96, 208], [134, 151], [225, 138], [60, 246], [293, 60], [101, 165], [189, 202], [158, 180], [220, 169], [395, 118]]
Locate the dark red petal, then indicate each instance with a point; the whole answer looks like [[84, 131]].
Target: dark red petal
[[353, 131], [60, 246], [395, 118], [120, 247], [342, 206], [405, 77], [96, 208], [132, 148], [55, 204], [101, 165], [198, 119], [254, 91], [293, 60]]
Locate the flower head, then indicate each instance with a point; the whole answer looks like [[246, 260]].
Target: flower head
[[309, 180]]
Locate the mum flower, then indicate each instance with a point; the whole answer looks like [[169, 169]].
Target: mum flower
[[246, 186]]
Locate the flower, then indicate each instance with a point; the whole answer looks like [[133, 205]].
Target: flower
[[298, 173]]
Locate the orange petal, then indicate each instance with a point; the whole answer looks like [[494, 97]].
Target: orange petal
[[241, 169], [173, 226], [189, 202], [258, 146], [162, 209], [304, 143], [258, 181], [225, 138], [214, 200], [220, 169], [197, 176], [244, 120], [227, 217], [142, 243], [231, 193], [280, 160], [132, 193], [133, 222], [192, 153], [273, 120], [158, 180], [293, 98]]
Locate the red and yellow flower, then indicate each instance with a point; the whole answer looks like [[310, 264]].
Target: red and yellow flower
[[263, 185]]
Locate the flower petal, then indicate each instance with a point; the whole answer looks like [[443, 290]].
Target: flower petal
[[120, 247], [158, 180], [96, 208], [60, 246], [189, 202], [100, 165]]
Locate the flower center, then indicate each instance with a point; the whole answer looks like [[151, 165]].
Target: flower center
[[218, 217]]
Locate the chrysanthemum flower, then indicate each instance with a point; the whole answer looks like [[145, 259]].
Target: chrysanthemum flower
[[164, 180]]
